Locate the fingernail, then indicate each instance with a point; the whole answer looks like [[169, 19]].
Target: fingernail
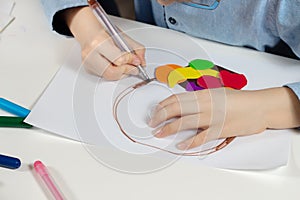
[[150, 123], [136, 61], [134, 71], [157, 133], [150, 114], [183, 146]]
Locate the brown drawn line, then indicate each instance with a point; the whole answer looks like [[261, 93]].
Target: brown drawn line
[[130, 89]]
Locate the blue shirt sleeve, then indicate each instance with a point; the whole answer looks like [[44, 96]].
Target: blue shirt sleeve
[[143, 11], [288, 23], [295, 87], [52, 9]]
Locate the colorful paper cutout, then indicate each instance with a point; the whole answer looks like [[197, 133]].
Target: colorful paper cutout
[[209, 82], [200, 74], [162, 72], [180, 75], [209, 72], [199, 64], [192, 86], [233, 80]]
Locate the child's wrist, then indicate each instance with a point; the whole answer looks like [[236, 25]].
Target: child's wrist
[[83, 24], [281, 107]]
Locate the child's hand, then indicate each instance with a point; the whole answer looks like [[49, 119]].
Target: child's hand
[[221, 113], [99, 53]]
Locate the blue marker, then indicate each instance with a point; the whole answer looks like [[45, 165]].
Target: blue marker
[[13, 108], [9, 162]]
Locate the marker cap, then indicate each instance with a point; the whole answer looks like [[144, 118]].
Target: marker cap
[[9, 162]]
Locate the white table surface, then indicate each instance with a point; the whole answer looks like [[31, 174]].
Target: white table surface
[[30, 55]]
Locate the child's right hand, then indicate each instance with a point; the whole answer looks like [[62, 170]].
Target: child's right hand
[[99, 53]]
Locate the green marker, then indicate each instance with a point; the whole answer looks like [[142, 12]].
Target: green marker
[[13, 122], [199, 64]]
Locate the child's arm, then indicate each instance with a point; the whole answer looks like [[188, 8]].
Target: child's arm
[[99, 53], [222, 113]]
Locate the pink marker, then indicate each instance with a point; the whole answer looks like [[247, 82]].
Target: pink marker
[[41, 169]]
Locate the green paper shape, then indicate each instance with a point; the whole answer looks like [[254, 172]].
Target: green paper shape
[[199, 64]]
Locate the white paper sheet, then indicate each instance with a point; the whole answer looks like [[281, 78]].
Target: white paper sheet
[[78, 105], [6, 7]]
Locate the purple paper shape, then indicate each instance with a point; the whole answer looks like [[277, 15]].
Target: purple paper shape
[[191, 86]]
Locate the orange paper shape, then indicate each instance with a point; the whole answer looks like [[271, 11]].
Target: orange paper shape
[[162, 72], [180, 75]]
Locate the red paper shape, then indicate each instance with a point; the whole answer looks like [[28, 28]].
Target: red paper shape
[[233, 80], [209, 82]]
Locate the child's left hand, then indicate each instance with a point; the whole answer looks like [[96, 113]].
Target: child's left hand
[[221, 113]]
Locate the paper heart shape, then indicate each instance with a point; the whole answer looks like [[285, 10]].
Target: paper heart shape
[[233, 80]]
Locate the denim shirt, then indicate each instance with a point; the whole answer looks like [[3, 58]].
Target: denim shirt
[[259, 24]]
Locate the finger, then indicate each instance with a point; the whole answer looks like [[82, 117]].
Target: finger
[[181, 104], [95, 63], [138, 48], [181, 97], [140, 53], [126, 58], [179, 108], [100, 66], [114, 73], [201, 138], [131, 70], [111, 52], [194, 141], [184, 123], [119, 72]]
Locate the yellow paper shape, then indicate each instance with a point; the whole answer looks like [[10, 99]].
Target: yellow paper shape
[[162, 72], [182, 74], [209, 72]]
